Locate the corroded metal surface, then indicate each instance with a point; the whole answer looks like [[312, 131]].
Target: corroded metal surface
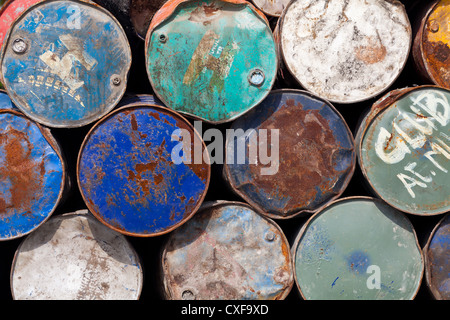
[[128, 175], [403, 145], [75, 257], [358, 248], [32, 174], [229, 252], [431, 49], [141, 14], [345, 51], [437, 260], [65, 63], [316, 154], [271, 7], [211, 60]]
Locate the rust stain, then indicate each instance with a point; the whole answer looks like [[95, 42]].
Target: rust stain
[[372, 53]]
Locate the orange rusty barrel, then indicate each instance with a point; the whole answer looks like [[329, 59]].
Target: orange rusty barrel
[[431, 48], [344, 51]]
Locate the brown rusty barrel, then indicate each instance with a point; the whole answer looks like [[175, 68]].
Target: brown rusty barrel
[[75, 257], [345, 51], [227, 252]]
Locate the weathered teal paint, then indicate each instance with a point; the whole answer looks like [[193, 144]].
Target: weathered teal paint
[[227, 251], [207, 59], [358, 248], [404, 149], [65, 63]]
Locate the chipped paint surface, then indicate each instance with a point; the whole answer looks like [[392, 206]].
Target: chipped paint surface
[[404, 149], [66, 76], [437, 260], [201, 56], [32, 175], [75, 257], [345, 51], [316, 155], [338, 247], [271, 7], [128, 178], [227, 251]]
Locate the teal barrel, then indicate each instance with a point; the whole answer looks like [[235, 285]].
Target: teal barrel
[[211, 60], [403, 147], [358, 248], [227, 251], [65, 63]]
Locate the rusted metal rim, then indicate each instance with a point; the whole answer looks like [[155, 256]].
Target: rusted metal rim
[[164, 14], [222, 203], [375, 200], [82, 213], [139, 105], [261, 210], [434, 292], [282, 57], [265, 11], [64, 178], [126, 72], [377, 109]]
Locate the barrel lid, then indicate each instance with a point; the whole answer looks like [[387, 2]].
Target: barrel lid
[[227, 251], [135, 174], [403, 149], [272, 8], [305, 155], [437, 255], [211, 60], [32, 174], [65, 63], [358, 248], [5, 101], [75, 257], [345, 51]]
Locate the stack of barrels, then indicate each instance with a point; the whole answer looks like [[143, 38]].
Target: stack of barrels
[[225, 149]]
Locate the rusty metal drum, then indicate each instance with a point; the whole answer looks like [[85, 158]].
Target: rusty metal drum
[[272, 8], [227, 251], [65, 63], [437, 260], [75, 257], [403, 147], [141, 14], [211, 60], [291, 155], [358, 248], [33, 177], [139, 99], [431, 48], [138, 172], [345, 51]]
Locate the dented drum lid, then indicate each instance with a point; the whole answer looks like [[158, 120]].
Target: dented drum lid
[[211, 60], [345, 51], [431, 49], [437, 258], [358, 248], [227, 252], [403, 146], [292, 154], [75, 257], [137, 171], [65, 63], [32, 174], [272, 8]]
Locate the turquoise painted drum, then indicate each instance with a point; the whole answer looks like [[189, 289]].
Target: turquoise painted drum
[[358, 248], [211, 60], [403, 147]]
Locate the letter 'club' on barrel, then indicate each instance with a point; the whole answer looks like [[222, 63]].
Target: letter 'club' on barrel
[[403, 146], [311, 151], [211, 60], [65, 63], [358, 248], [129, 178], [75, 257], [227, 251]]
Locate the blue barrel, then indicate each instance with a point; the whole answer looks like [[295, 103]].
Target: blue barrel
[[5, 101], [291, 155], [65, 63], [131, 177], [32, 174], [136, 99]]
